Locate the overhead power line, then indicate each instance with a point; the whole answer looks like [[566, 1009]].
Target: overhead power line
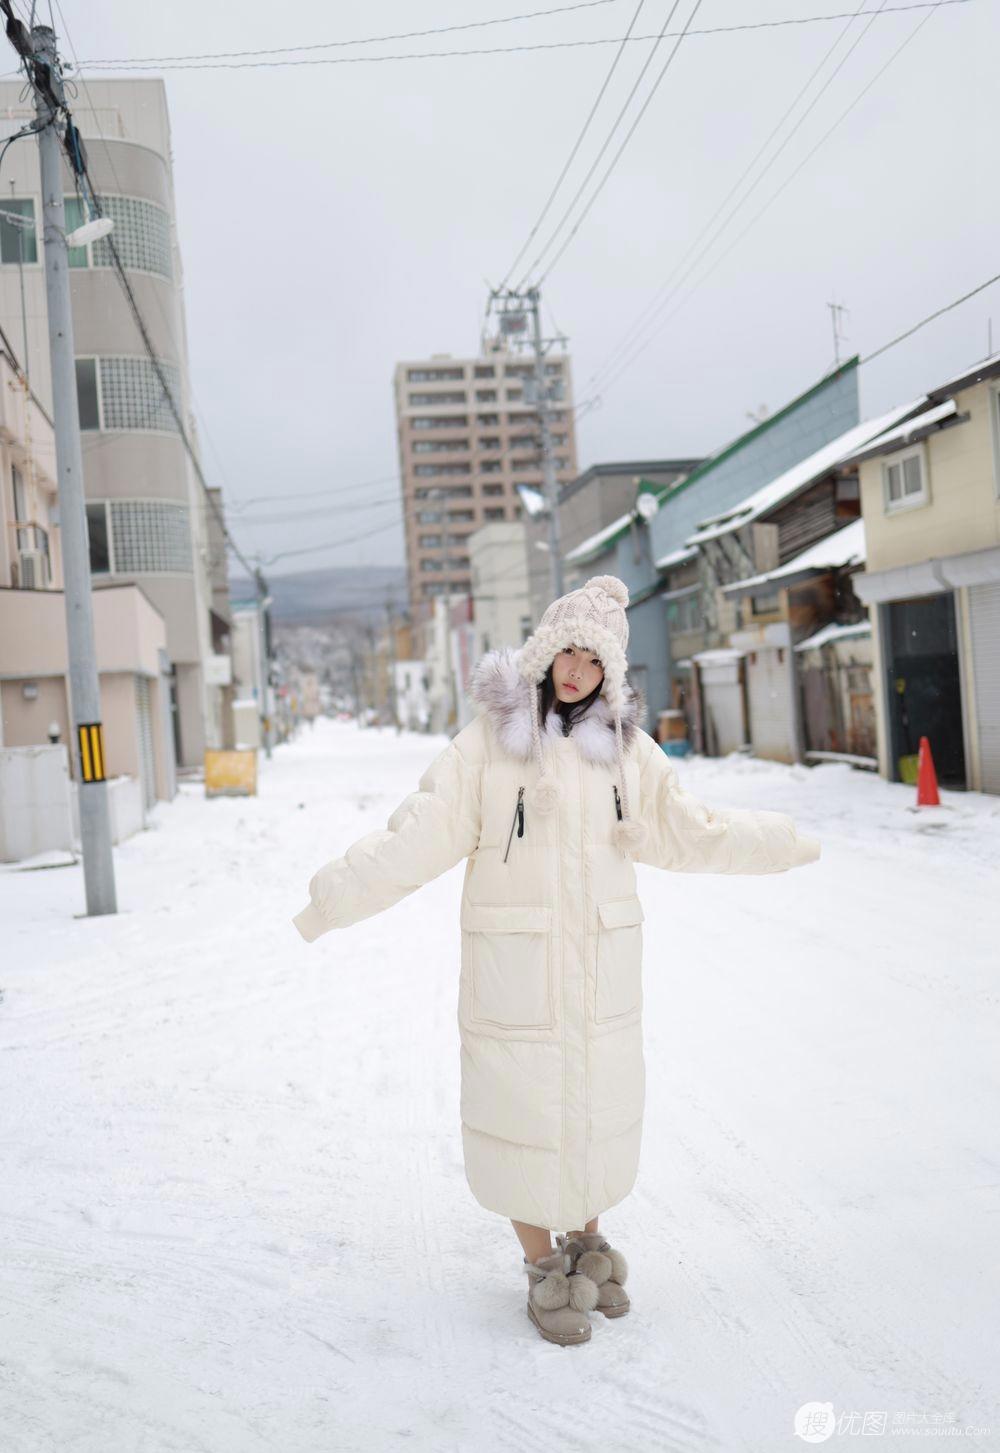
[[219, 55], [900, 337], [576, 147], [645, 317], [641, 347], [618, 154], [567, 213], [165, 63]]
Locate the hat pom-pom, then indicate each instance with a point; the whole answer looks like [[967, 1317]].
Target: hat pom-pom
[[544, 795], [630, 835], [611, 585]]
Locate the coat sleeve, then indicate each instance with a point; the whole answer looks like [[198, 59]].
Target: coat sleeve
[[687, 837], [429, 832]]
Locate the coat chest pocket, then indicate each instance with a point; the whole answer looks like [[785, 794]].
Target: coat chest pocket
[[618, 988], [507, 957]]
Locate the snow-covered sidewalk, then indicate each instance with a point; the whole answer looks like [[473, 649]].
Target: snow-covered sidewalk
[[234, 1214]]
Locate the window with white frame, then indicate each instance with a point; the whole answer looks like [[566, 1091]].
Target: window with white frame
[[904, 480], [141, 235], [126, 393], [139, 537]]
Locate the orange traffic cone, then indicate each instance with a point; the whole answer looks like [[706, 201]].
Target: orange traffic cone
[[927, 787]]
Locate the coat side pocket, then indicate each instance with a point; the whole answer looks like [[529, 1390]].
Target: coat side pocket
[[507, 952], [618, 976]]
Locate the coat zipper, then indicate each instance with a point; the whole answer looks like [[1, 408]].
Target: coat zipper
[[518, 818], [618, 803]]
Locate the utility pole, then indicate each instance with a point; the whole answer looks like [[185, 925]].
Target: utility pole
[[39, 53], [393, 704], [512, 308], [263, 602]]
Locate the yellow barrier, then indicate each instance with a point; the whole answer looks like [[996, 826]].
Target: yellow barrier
[[231, 773]]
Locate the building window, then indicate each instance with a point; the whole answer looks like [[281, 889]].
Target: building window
[[489, 442], [486, 395], [423, 400], [487, 421], [485, 370], [141, 235], [441, 421], [440, 446], [490, 466], [492, 489], [514, 395], [434, 375], [493, 514], [100, 541], [904, 481], [459, 515], [765, 602], [432, 564], [125, 393], [518, 370], [429, 542], [150, 537], [86, 393], [429, 517], [436, 471], [18, 242], [458, 562]]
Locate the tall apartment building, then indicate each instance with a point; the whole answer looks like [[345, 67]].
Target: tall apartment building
[[468, 436], [149, 522]]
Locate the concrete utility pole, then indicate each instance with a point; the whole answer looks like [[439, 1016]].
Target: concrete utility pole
[[85, 694], [551, 484], [513, 309], [263, 602]]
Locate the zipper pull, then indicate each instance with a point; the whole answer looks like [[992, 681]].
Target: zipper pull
[[517, 818], [618, 803]]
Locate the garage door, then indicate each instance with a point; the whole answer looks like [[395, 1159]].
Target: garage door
[[984, 616]]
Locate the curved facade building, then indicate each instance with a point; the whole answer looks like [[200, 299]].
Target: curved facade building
[[148, 518]]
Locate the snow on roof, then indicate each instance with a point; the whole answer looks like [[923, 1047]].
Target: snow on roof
[[844, 547], [902, 432], [802, 474], [676, 557], [987, 365], [586, 546], [718, 656], [834, 632]]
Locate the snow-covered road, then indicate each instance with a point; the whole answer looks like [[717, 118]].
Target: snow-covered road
[[233, 1208]]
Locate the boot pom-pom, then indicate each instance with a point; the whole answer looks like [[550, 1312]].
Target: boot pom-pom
[[619, 1266], [545, 794], [630, 835], [583, 1293], [552, 1291], [595, 1264]]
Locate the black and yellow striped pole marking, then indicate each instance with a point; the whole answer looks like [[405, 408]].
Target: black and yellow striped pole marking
[[90, 736]]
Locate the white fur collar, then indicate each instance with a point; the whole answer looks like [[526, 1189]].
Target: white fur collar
[[498, 687]]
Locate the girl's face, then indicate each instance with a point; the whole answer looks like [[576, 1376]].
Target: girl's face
[[575, 673]]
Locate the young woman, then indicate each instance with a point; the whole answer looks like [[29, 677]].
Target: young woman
[[552, 793]]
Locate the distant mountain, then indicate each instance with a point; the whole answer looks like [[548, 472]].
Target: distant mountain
[[311, 597]]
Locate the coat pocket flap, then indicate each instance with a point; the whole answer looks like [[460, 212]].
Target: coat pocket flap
[[620, 912], [506, 917]]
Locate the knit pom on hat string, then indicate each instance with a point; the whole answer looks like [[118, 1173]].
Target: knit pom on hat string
[[592, 617]]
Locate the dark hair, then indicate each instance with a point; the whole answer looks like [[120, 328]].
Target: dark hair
[[570, 711]]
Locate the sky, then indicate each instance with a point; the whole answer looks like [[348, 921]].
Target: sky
[[336, 218]]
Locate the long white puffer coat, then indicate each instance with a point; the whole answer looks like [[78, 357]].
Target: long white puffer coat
[[550, 991]]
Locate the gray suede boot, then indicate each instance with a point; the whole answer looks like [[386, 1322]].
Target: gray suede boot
[[590, 1252], [559, 1299]]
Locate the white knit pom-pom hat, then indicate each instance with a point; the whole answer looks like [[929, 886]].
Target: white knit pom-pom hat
[[593, 618]]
